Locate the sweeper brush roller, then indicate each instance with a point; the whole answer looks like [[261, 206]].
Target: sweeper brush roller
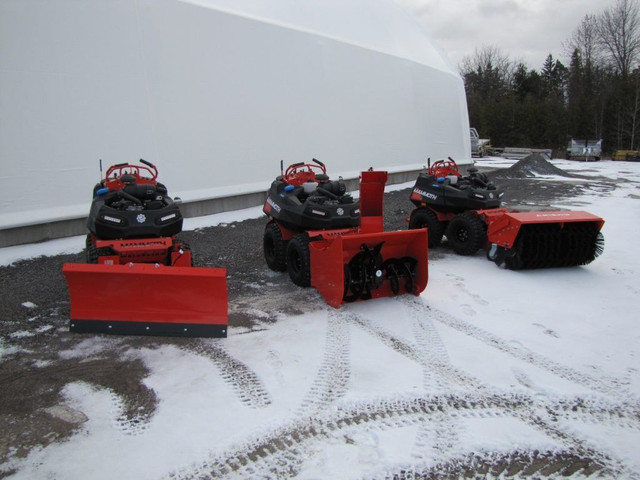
[[532, 240]]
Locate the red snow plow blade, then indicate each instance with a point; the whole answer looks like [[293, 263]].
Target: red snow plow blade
[[362, 266], [147, 299], [527, 240]]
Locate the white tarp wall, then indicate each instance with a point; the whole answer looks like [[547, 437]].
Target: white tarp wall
[[215, 93]]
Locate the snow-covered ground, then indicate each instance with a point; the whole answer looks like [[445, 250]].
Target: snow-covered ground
[[531, 373]]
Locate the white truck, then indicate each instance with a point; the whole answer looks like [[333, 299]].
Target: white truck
[[479, 146], [584, 150], [475, 142]]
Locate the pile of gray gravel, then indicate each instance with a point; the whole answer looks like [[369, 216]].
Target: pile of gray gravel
[[531, 166]]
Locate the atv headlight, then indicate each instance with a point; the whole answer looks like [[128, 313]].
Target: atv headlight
[[108, 218], [479, 195], [500, 194], [166, 218]]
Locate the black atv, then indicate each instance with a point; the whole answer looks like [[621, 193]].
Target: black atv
[[304, 199], [129, 203], [447, 200]]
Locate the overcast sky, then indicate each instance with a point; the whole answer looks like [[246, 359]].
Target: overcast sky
[[525, 30]]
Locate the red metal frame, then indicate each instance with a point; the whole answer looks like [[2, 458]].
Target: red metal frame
[[145, 250], [113, 181], [442, 168], [296, 175]]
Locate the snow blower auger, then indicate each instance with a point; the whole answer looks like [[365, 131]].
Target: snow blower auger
[[139, 277], [326, 239], [467, 209]]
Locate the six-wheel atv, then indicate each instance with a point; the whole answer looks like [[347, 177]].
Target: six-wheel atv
[[139, 278], [325, 239], [467, 210]]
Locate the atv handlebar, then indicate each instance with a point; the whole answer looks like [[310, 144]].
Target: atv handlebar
[[149, 164]]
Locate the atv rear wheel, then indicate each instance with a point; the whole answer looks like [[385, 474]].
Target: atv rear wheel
[[299, 260], [466, 233], [425, 217], [275, 248]]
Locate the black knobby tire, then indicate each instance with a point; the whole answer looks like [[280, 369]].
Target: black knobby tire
[[275, 248], [92, 251], [425, 217], [299, 260], [466, 233]]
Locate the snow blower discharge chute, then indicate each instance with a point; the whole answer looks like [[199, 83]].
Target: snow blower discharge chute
[[324, 238], [139, 277], [467, 210]]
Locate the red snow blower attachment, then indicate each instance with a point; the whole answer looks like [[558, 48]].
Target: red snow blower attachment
[[139, 277], [315, 237]]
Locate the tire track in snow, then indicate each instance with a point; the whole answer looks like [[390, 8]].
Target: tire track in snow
[[437, 440], [280, 453], [243, 381], [544, 422], [333, 375], [412, 352], [523, 464], [608, 386]]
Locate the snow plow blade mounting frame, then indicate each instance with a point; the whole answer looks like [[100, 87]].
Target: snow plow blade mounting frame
[[147, 299]]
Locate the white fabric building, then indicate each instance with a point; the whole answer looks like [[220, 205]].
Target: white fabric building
[[215, 93]]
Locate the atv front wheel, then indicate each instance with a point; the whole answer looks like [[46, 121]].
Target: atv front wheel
[[93, 253], [299, 260], [466, 233], [91, 250], [425, 217], [275, 248]]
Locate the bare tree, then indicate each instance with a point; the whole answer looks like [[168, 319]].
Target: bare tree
[[488, 58], [488, 71], [619, 34], [585, 39]]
